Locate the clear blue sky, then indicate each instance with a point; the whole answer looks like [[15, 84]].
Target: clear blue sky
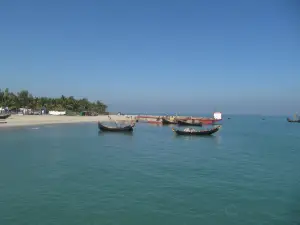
[[160, 56]]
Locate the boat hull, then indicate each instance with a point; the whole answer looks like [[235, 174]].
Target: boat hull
[[168, 122], [5, 116], [293, 121], [128, 128], [184, 123], [208, 121], [155, 122], [198, 133]]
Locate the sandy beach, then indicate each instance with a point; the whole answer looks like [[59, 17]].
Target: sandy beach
[[32, 120]]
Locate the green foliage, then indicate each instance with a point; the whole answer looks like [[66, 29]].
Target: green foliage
[[24, 99]]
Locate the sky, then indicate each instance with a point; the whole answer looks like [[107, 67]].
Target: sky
[[156, 56]]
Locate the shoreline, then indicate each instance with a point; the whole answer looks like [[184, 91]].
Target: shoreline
[[34, 120]]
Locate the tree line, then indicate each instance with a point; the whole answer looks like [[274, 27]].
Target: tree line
[[24, 99]]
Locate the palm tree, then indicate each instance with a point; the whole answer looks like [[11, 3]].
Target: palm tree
[[26, 100]]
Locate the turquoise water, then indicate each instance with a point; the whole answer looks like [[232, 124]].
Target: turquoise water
[[248, 173]]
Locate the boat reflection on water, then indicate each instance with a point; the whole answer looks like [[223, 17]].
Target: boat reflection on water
[[217, 139]]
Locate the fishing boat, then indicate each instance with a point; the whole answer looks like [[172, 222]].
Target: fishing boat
[[185, 123], [295, 120], [155, 122], [4, 116], [167, 121], [128, 128], [195, 132], [217, 117]]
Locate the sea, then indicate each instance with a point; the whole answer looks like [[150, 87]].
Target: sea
[[246, 174]]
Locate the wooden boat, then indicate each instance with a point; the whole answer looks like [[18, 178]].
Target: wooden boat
[[201, 132], [155, 122], [217, 117], [4, 116], [166, 121], [185, 123], [128, 128], [293, 121]]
